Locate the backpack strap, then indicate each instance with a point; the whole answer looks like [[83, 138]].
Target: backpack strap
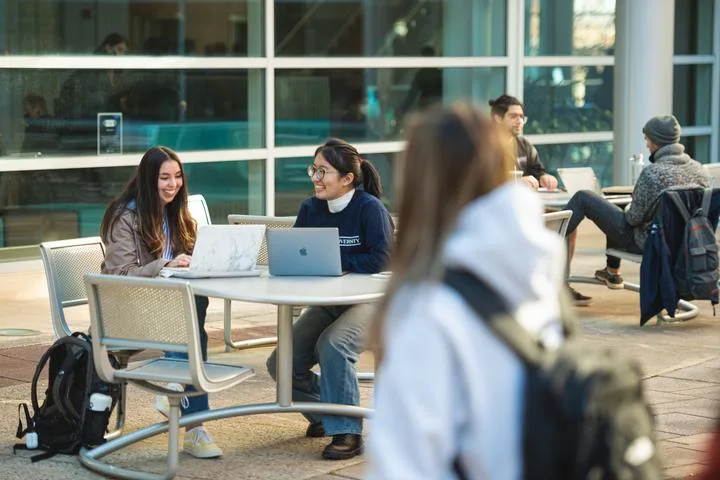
[[706, 200], [494, 312], [28, 421], [675, 197]]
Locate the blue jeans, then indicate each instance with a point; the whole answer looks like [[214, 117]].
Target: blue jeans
[[333, 337], [197, 403]]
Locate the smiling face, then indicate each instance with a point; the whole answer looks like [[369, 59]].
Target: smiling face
[[332, 185], [514, 119], [170, 181]]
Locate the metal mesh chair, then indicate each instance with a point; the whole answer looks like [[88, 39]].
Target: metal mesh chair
[[161, 316], [269, 222], [66, 262], [558, 221], [199, 210]]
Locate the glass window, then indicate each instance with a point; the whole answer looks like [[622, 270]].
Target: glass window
[[692, 87], [369, 105], [292, 184], [390, 28], [693, 27], [598, 155], [146, 27], [56, 111], [698, 148], [37, 206], [569, 27], [568, 99]]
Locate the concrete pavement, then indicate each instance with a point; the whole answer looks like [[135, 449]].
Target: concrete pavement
[[681, 365]]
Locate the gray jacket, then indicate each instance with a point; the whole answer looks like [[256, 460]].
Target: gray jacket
[[672, 168], [125, 252]]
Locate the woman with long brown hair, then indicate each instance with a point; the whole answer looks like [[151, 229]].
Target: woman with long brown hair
[[447, 390], [149, 227]]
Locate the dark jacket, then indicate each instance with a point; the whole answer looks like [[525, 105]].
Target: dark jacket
[[657, 284], [527, 158]]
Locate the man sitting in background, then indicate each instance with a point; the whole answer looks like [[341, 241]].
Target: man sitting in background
[[627, 229], [510, 112]]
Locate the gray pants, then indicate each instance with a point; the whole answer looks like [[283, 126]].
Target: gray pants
[[333, 337], [608, 217]]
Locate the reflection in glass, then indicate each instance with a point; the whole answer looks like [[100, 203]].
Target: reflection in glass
[[694, 18], [292, 184], [568, 99], [152, 27], [569, 27], [47, 205], [692, 87], [369, 105], [597, 155], [55, 111], [382, 28], [698, 148]]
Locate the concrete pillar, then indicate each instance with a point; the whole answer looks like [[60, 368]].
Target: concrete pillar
[[643, 75]]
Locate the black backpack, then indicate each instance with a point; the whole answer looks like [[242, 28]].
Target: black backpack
[[585, 416], [66, 420], [696, 265]]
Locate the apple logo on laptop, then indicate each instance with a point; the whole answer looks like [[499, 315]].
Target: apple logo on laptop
[[303, 252]]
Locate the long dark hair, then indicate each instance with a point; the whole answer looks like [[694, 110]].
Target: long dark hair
[[346, 159], [500, 105], [143, 188]]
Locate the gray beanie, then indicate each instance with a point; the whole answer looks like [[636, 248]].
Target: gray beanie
[[662, 130]]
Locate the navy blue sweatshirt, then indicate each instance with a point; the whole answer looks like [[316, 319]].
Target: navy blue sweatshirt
[[364, 226]]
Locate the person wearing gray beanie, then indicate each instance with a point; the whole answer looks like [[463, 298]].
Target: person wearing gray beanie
[[662, 130], [628, 229]]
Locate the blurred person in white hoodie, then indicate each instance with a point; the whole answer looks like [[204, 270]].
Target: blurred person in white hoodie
[[447, 389]]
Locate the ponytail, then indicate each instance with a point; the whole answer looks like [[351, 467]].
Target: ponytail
[[371, 179]]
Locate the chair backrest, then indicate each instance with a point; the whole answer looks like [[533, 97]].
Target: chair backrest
[[269, 222], [199, 210], [558, 221], [161, 316], [66, 262], [713, 170]]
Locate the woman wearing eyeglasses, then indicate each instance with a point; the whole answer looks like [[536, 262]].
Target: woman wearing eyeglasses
[[510, 112], [333, 336]]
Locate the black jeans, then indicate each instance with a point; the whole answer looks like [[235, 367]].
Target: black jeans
[[608, 217]]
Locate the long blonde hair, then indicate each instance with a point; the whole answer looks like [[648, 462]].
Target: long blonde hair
[[453, 156]]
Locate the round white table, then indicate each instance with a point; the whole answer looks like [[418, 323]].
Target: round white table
[[286, 292]]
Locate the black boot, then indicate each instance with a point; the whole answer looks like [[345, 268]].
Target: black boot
[[344, 446], [315, 430]]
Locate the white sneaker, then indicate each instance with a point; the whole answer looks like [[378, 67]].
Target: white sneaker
[[200, 444], [161, 401]]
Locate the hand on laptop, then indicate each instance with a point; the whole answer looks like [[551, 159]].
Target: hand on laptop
[[549, 182], [181, 260], [530, 181]]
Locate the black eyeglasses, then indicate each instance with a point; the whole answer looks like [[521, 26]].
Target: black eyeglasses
[[318, 173]]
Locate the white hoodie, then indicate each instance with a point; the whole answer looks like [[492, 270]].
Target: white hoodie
[[448, 387]]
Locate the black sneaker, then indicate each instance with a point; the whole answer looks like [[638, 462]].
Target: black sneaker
[[579, 300], [315, 430], [344, 446], [613, 282]]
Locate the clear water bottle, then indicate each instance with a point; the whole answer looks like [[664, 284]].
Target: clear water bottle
[[636, 165]]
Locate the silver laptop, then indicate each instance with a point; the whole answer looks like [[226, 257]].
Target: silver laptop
[[304, 252], [222, 251], [580, 178]]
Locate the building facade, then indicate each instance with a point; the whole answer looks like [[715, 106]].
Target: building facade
[[245, 90]]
